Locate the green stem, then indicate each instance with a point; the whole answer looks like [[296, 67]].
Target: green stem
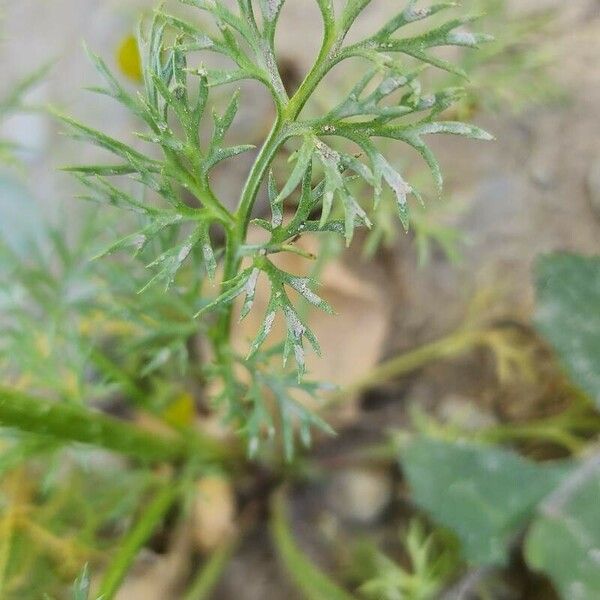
[[321, 67], [310, 580], [452, 345], [71, 423], [559, 430], [533, 431], [259, 170], [210, 573], [236, 235], [287, 114], [135, 539]]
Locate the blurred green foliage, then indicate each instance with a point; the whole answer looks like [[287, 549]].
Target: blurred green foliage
[[489, 496]]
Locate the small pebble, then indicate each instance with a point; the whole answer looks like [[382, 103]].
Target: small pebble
[[465, 413], [360, 495]]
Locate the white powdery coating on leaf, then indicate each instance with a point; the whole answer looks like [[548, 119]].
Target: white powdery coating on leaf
[[295, 330], [299, 354], [391, 84], [427, 101], [203, 42], [268, 325], [250, 287], [400, 187], [462, 38], [139, 241], [415, 14], [328, 154], [294, 324], [455, 128], [328, 197], [277, 215], [208, 253], [577, 590], [301, 286], [184, 252], [272, 8], [272, 67], [253, 446]]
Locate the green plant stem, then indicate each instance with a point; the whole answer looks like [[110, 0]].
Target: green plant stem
[[308, 86], [314, 584], [452, 345], [236, 235], [558, 430], [210, 573], [70, 423], [531, 432], [323, 64], [136, 538], [287, 114]]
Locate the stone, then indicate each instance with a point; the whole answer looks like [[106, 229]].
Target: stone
[[360, 495]]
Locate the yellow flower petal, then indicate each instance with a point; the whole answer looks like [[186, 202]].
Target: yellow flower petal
[[129, 60]]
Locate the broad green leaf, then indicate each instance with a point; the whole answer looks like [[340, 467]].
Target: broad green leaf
[[484, 494], [568, 315], [564, 542]]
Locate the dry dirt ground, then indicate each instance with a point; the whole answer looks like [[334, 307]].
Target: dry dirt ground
[[536, 189]]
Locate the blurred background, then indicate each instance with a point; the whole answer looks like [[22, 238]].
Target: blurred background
[[469, 255]]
